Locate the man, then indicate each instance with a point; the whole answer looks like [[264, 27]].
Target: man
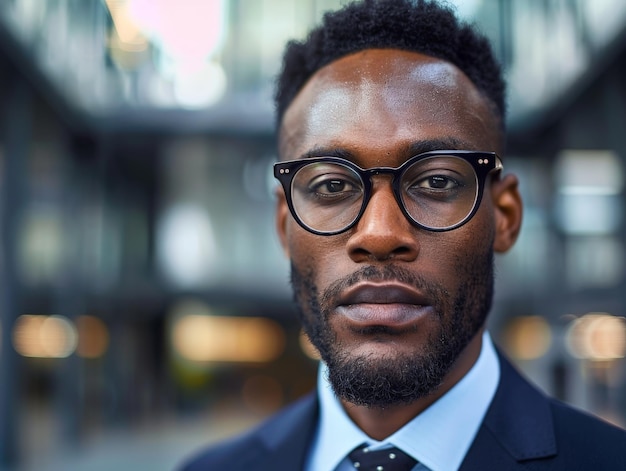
[[392, 204]]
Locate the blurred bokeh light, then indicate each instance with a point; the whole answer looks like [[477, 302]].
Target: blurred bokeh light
[[597, 337], [93, 337], [200, 336], [528, 337], [44, 336]]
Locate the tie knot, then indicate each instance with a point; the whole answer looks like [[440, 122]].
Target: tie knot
[[389, 459]]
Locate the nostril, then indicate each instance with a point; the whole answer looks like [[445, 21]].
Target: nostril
[[364, 246], [400, 251]]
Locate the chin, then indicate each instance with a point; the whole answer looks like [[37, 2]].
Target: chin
[[385, 380]]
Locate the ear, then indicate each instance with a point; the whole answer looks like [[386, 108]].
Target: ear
[[282, 216], [508, 212]]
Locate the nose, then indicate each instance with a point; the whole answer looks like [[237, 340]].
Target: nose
[[383, 232]]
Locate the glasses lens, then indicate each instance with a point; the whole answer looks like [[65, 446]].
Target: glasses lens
[[327, 197], [439, 192]]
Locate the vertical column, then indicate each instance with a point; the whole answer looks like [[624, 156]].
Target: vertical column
[[615, 108], [505, 32], [15, 126], [71, 286]]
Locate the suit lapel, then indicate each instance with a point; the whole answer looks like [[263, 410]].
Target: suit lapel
[[517, 427], [282, 443]]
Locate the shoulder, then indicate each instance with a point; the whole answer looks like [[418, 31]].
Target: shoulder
[[579, 433], [289, 429], [524, 425], [219, 454], [572, 426], [578, 439]]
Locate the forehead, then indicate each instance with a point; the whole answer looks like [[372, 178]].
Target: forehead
[[383, 99]]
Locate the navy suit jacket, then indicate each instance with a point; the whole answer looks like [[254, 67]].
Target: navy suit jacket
[[522, 430]]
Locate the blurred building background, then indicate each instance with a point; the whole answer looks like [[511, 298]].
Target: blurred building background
[[144, 299]]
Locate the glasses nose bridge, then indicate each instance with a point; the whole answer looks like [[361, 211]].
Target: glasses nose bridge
[[370, 172], [394, 173]]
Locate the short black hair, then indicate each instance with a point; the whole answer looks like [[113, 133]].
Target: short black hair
[[423, 26]]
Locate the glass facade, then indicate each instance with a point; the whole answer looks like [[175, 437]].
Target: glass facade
[[136, 142]]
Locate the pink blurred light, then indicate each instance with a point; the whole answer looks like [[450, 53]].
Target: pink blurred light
[[189, 30]]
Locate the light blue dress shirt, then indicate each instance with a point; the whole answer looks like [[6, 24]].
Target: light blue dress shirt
[[438, 438]]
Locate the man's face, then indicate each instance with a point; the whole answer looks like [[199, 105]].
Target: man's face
[[390, 307]]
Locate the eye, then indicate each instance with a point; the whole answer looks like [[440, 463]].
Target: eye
[[437, 182], [327, 184], [332, 186], [437, 186]]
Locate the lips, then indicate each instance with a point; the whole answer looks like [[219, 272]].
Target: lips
[[387, 304]]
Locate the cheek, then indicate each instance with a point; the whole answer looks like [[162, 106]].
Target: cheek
[[323, 257], [307, 251], [476, 237], [448, 255]]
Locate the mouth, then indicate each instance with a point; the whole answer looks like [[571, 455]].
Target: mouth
[[393, 305]]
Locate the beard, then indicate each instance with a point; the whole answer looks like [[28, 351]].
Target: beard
[[384, 381]]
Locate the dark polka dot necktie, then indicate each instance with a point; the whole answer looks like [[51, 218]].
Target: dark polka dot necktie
[[389, 459]]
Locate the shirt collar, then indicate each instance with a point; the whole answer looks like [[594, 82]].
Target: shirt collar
[[438, 438]]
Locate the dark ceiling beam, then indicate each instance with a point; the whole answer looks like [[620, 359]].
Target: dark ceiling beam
[[19, 58], [526, 129], [235, 116]]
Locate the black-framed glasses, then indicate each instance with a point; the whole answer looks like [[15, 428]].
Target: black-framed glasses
[[437, 191]]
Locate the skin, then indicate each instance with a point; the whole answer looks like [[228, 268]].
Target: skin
[[379, 107]]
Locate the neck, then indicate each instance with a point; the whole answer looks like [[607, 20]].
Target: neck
[[381, 422]]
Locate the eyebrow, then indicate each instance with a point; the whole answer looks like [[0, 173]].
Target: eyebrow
[[328, 152], [413, 149], [446, 143]]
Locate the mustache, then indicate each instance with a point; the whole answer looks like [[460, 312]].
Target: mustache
[[433, 290]]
